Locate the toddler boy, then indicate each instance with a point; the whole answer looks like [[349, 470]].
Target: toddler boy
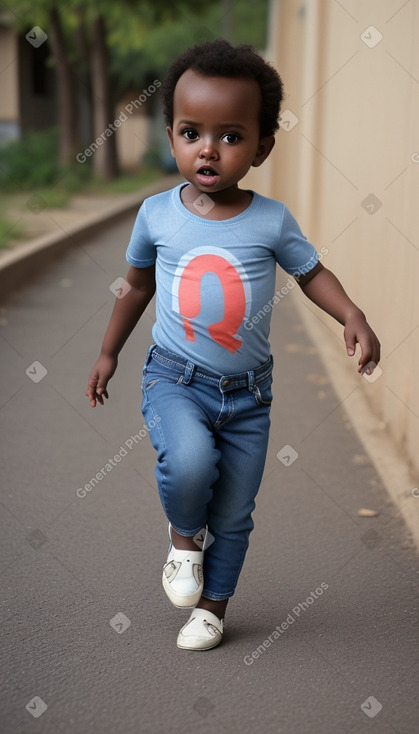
[[211, 250]]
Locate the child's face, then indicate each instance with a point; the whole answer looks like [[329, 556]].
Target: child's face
[[215, 135]]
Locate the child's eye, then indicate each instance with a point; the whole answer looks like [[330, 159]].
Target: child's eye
[[231, 138], [190, 134]]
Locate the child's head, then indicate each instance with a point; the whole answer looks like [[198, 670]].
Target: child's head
[[221, 106], [220, 59]]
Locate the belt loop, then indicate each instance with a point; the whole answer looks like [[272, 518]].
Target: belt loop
[[189, 371], [149, 354], [251, 379]]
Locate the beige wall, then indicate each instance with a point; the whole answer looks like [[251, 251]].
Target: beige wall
[[357, 134], [9, 108], [132, 138]]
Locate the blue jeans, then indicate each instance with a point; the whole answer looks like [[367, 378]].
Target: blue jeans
[[211, 436]]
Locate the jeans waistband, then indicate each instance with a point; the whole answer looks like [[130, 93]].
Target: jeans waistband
[[192, 371]]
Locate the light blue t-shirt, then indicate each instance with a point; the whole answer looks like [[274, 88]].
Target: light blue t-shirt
[[216, 279]]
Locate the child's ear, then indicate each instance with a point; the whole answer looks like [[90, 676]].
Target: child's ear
[[169, 131], [264, 148]]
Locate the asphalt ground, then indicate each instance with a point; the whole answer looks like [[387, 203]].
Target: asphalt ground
[[321, 635]]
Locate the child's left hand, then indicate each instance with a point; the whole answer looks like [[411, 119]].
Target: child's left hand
[[326, 291], [358, 331]]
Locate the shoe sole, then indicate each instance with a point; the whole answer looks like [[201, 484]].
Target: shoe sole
[[207, 647]]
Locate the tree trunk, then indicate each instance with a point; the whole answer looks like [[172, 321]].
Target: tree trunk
[[67, 107], [83, 82], [105, 158]]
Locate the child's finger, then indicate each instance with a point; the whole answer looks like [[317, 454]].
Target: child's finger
[[91, 394], [101, 393], [370, 356], [367, 368], [96, 391], [350, 342]]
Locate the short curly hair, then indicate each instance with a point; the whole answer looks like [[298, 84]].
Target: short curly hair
[[220, 58]]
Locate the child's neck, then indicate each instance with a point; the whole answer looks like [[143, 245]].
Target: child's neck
[[226, 204]]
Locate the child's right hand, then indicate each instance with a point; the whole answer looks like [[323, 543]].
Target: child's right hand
[[99, 377]]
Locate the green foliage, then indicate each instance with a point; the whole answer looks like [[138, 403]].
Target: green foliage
[[250, 22], [52, 198], [139, 54], [32, 162], [8, 229], [73, 177], [127, 184], [143, 36]]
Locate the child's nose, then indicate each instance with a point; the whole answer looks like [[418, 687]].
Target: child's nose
[[208, 149]]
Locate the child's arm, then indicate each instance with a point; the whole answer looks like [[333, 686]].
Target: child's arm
[[325, 290], [125, 315]]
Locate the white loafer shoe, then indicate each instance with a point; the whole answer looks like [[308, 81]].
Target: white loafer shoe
[[183, 578], [202, 631]]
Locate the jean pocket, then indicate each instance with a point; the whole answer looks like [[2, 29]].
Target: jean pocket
[[148, 384], [155, 373]]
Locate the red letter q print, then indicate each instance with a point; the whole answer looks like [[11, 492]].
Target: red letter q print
[[188, 292]]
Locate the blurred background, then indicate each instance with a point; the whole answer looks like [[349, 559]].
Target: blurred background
[[81, 117], [71, 68]]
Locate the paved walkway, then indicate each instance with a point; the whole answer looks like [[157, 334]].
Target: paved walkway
[[321, 635], [36, 220]]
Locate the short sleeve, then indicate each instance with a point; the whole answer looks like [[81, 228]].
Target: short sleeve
[[141, 250], [294, 253]]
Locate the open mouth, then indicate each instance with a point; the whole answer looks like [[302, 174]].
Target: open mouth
[[207, 176], [207, 171]]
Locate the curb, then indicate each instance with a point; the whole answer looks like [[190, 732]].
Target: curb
[[21, 265]]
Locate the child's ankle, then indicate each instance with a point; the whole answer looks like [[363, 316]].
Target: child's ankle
[[216, 606], [182, 542]]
